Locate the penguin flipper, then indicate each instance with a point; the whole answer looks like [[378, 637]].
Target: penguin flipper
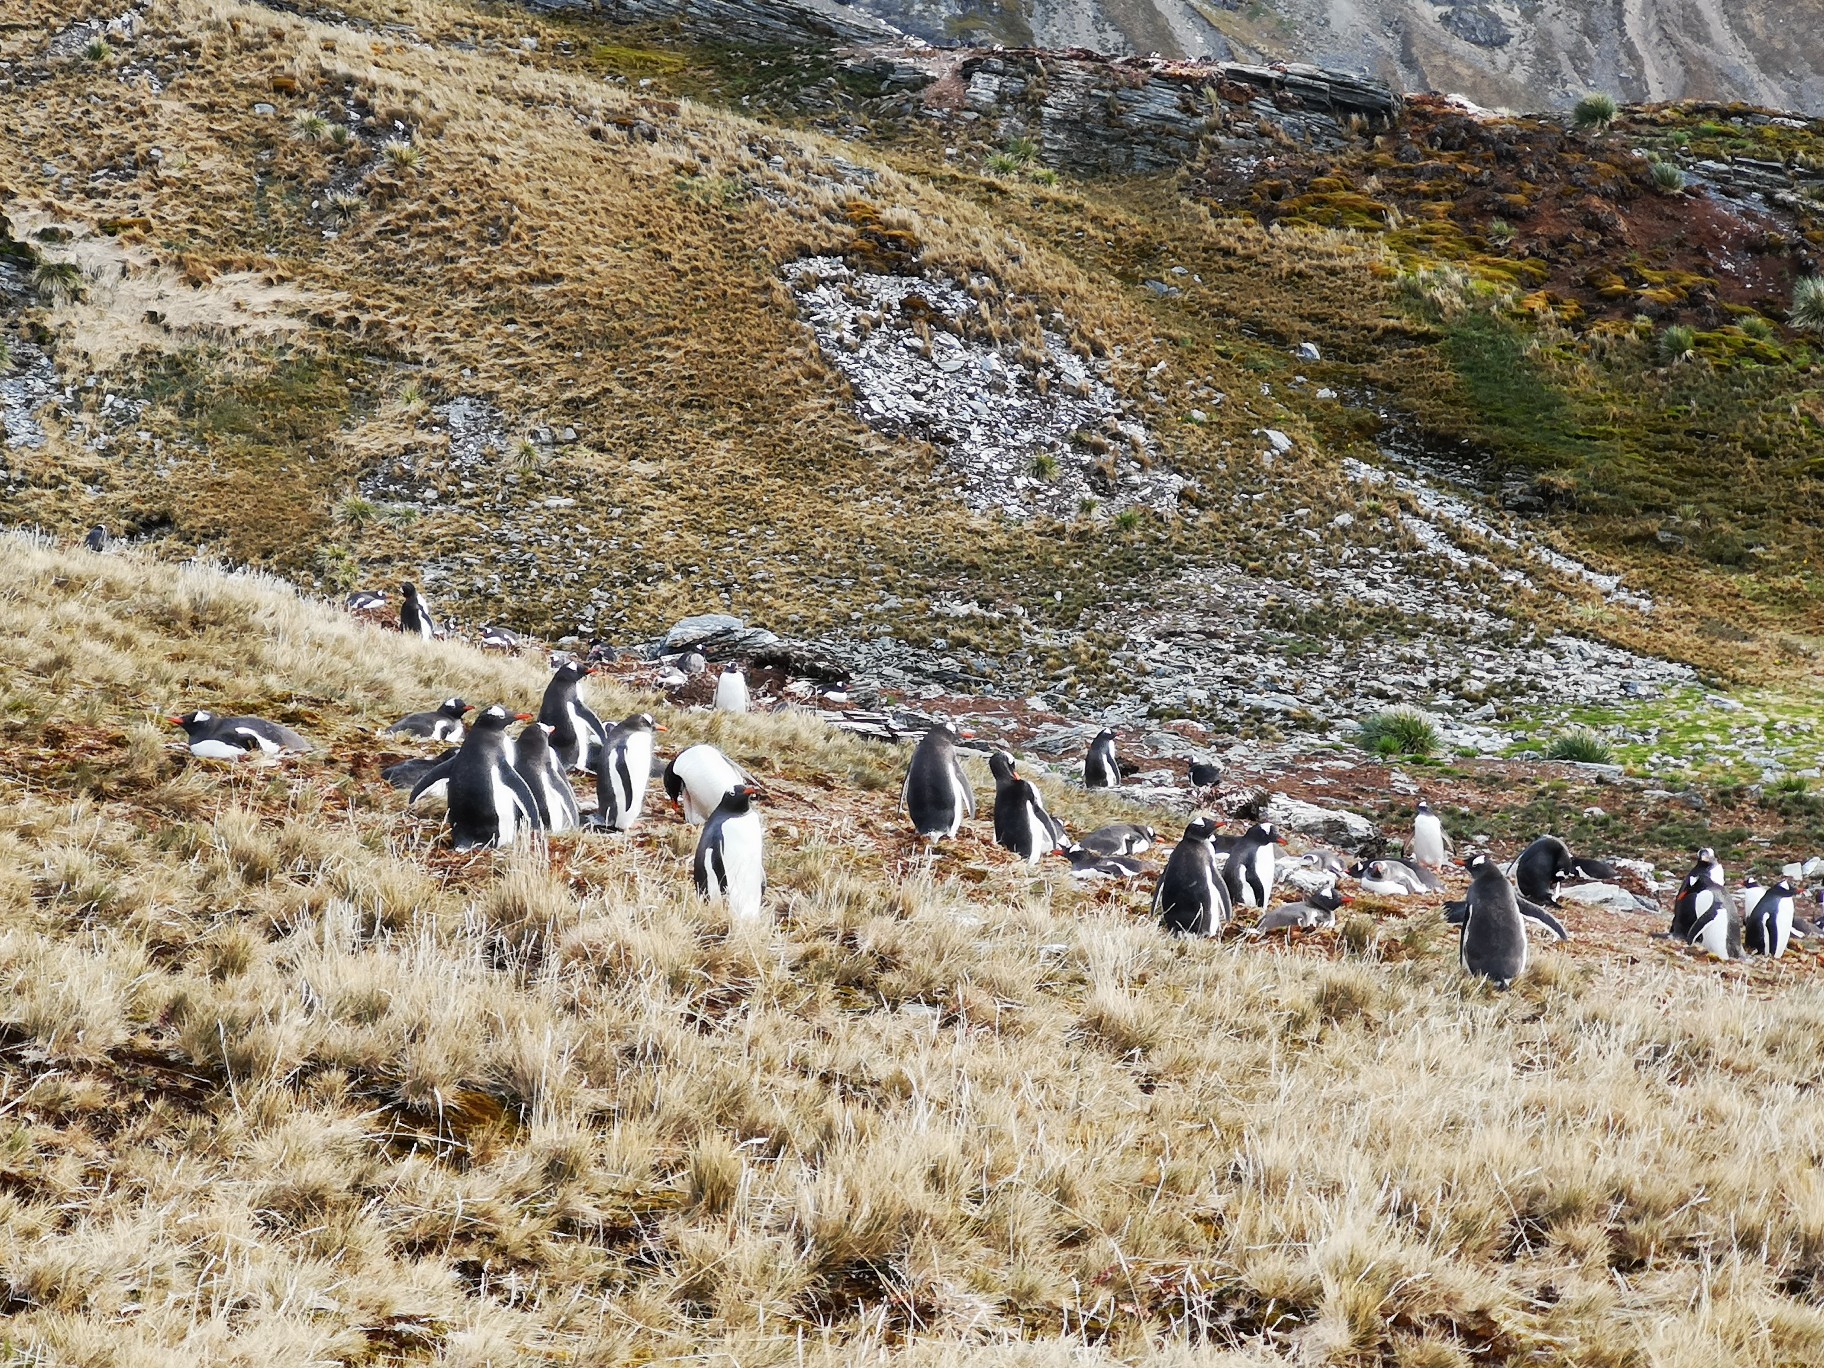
[[718, 870], [1544, 918], [967, 789], [527, 801], [1457, 913], [1697, 926], [436, 774]]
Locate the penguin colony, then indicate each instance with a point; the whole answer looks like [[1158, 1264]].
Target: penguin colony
[[499, 787]]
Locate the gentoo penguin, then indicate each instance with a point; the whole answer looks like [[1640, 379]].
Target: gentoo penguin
[[1119, 838], [539, 767], [577, 733], [1455, 912], [1701, 888], [1383, 878], [1542, 868], [442, 723], [1204, 775], [731, 860], [1750, 894], [1190, 899], [620, 783], [235, 738], [936, 793], [1086, 864], [414, 618], [1717, 926], [601, 653], [696, 779], [1428, 843], [490, 804], [407, 773], [365, 600], [97, 540], [499, 639], [1100, 768], [1251, 868], [731, 688], [1326, 860], [1492, 942], [1021, 823], [1767, 926], [1317, 909], [692, 663]]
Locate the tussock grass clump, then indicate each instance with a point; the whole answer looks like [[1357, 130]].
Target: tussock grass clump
[[402, 154], [1583, 746], [1807, 312], [1668, 178], [1677, 342], [60, 282], [1398, 731], [1594, 113]]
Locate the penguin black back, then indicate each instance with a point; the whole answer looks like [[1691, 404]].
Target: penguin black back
[[1542, 866], [1021, 823], [1190, 900], [489, 802], [1492, 941], [1100, 768], [936, 792]]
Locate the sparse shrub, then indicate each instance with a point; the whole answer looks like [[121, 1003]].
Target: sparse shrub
[[1677, 342], [1808, 305], [1760, 329], [525, 455], [340, 137], [1667, 177], [1045, 466], [1398, 731], [310, 126], [1127, 519], [401, 154], [336, 568], [1002, 164], [58, 281], [1582, 746], [1087, 506], [345, 204], [98, 52], [1594, 113], [1500, 232]]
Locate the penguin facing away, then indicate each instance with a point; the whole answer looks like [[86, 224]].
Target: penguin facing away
[[1492, 941], [1251, 868], [936, 792], [539, 767], [1190, 898], [730, 861], [414, 617], [577, 734], [697, 777], [1428, 842], [442, 723], [489, 802], [1768, 927], [620, 782], [235, 738], [731, 688], [1021, 823], [1100, 768], [97, 540]]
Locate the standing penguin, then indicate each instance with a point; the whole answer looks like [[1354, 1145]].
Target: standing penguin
[[539, 767], [731, 859], [442, 723], [1702, 888], [97, 540], [1190, 899], [1428, 843], [1101, 769], [731, 688], [620, 782], [696, 779], [1767, 926], [414, 617], [936, 792], [1251, 868], [1749, 896], [577, 734], [1542, 868], [1021, 823], [1492, 942], [490, 804]]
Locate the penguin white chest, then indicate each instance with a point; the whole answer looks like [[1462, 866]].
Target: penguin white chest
[[744, 862], [1260, 887], [506, 814], [1714, 937]]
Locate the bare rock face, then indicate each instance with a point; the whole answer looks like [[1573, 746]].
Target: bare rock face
[[1478, 24]]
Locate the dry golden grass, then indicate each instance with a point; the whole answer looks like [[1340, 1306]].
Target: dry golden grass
[[283, 1079]]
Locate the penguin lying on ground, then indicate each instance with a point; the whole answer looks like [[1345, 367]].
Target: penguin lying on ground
[[442, 723], [544, 775], [1086, 864], [1251, 868], [1767, 924], [1204, 775], [730, 861], [1544, 866], [235, 738], [731, 689], [1191, 899], [489, 803], [620, 783], [414, 616], [1101, 768], [577, 734], [1021, 823], [499, 639], [365, 601], [1386, 879], [407, 773], [696, 779], [1317, 909], [1119, 838], [936, 793]]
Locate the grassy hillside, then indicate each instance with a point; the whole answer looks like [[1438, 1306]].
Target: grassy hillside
[[284, 1079]]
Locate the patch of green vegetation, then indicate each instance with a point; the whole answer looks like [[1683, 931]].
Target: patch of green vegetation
[[1582, 746], [1594, 112], [1522, 412], [1398, 731]]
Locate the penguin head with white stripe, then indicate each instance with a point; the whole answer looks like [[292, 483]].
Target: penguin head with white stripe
[[454, 707], [1001, 766], [193, 722], [732, 668], [1476, 863], [495, 718], [643, 722], [1201, 829], [1104, 735], [572, 670]]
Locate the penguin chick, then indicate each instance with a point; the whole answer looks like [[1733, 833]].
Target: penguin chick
[[1120, 838], [235, 738], [442, 723], [1316, 910]]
